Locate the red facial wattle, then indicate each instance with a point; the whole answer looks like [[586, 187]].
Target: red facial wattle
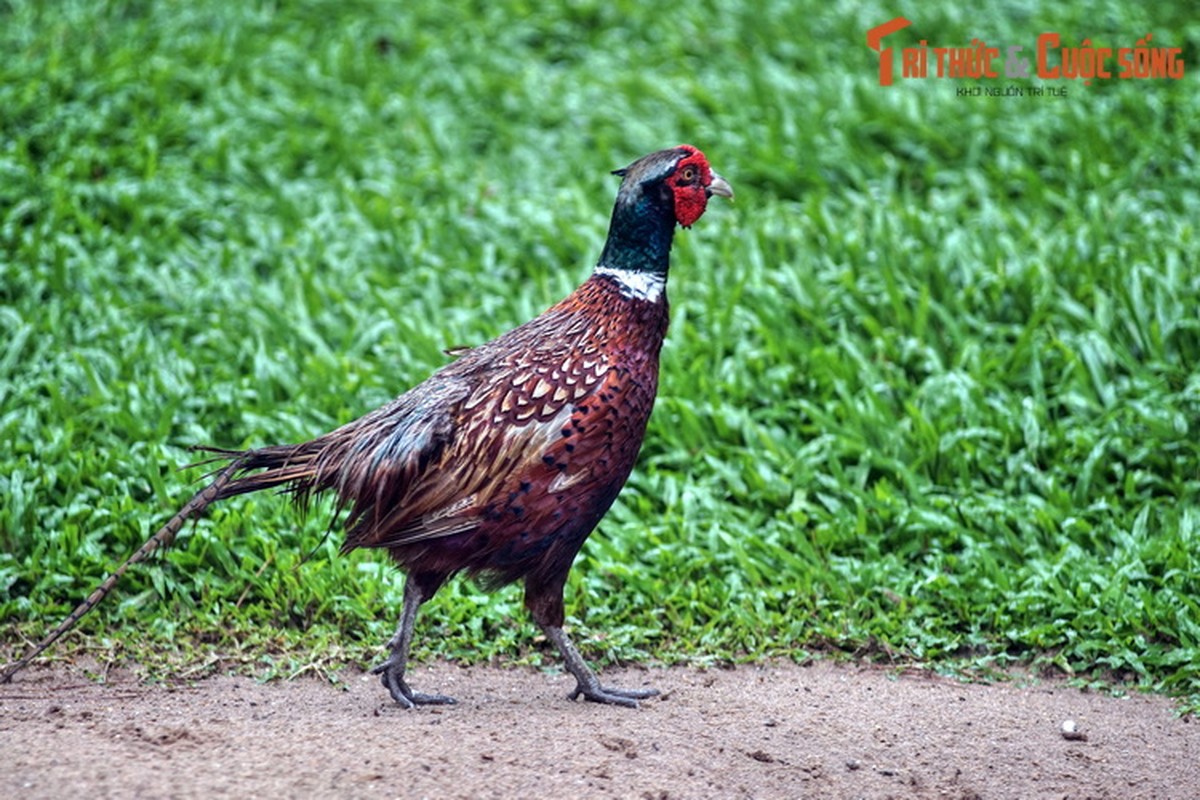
[[690, 183]]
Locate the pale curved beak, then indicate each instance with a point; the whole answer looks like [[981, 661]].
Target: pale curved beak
[[720, 187]]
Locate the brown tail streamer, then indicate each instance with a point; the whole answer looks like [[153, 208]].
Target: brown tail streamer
[[166, 534]]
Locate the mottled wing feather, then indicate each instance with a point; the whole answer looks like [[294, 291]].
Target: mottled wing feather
[[499, 420], [455, 496], [389, 451]]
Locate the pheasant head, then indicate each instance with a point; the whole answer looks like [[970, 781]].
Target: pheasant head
[[658, 192]]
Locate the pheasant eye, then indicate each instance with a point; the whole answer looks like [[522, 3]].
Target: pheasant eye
[[688, 174]]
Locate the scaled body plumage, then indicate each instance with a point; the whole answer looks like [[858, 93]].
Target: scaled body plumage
[[503, 461]]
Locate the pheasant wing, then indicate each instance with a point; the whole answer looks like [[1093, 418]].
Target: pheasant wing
[[492, 424]]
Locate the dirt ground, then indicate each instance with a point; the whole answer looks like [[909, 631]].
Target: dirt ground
[[775, 731]]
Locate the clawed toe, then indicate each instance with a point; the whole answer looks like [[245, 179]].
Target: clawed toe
[[391, 676], [635, 694], [432, 699], [612, 695], [587, 684]]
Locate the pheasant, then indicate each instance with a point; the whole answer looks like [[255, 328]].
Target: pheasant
[[502, 462]]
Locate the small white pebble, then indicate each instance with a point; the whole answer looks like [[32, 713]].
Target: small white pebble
[[1071, 732]]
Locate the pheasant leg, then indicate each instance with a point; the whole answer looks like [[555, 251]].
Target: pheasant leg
[[587, 684], [391, 672]]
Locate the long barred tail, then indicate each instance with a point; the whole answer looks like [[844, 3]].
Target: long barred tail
[[216, 490]]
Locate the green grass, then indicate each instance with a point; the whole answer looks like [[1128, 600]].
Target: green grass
[[931, 390]]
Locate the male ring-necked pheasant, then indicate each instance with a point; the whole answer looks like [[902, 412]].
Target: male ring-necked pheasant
[[501, 463]]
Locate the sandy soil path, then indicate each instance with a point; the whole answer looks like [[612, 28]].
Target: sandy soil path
[[775, 731]]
